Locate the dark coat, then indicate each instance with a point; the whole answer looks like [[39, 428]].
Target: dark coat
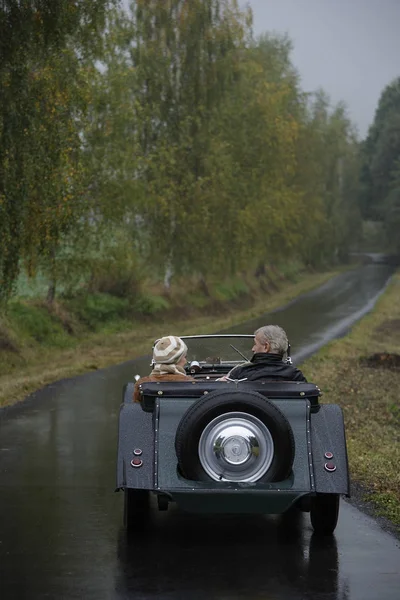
[[265, 365]]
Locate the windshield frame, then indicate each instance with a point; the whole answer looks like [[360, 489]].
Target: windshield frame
[[196, 354], [217, 335]]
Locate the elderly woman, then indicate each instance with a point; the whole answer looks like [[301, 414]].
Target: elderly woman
[[169, 358]]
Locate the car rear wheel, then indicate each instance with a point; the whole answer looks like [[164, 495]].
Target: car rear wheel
[[234, 436], [324, 513], [136, 508]]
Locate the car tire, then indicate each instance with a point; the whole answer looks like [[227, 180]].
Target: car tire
[[219, 403], [324, 513], [136, 509]]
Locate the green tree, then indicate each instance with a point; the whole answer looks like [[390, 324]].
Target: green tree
[[203, 145], [380, 153], [391, 212], [43, 44]]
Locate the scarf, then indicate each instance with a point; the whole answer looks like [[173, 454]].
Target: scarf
[[161, 369]]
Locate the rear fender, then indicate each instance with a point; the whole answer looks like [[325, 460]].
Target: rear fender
[[328, 435], [136, 431]]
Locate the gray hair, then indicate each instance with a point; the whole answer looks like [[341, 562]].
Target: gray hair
[[276, 338]]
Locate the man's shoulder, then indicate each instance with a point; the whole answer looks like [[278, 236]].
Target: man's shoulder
[[243, 365], [238, 368], [298, 375]]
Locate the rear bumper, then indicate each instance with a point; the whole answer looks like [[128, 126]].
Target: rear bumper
[[235, 501]]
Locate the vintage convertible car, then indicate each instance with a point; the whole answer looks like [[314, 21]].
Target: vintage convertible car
[[265, 447]]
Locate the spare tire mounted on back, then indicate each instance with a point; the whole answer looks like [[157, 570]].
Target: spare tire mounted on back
[[234, 436]]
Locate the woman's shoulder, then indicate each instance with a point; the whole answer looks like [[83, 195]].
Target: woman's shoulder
[[174, 377], [156, 377], [164, 377]]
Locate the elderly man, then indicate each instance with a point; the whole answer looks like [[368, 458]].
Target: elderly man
[[268, 361]]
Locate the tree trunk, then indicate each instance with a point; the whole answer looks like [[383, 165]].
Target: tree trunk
[[51, 292]]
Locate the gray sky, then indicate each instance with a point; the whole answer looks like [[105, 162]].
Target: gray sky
[[351, 48]]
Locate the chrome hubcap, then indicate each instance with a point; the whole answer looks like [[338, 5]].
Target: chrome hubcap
[[236, 446]]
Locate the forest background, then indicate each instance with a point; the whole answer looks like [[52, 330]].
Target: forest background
[[161, 159]]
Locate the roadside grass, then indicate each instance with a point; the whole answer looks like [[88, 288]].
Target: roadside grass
[[33, 321], [368, 392], [29, 360]]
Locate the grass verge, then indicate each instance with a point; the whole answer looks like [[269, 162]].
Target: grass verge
[[361, 373], [28, 369]]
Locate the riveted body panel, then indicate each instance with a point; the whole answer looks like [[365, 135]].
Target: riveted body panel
[[272, 390]]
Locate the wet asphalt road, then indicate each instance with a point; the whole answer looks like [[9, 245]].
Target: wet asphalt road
[[60, 522]]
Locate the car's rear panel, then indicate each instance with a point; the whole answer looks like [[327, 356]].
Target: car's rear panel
[[317, 429], [228, 497]]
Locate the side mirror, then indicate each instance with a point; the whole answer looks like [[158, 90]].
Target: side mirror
[[288, 357]]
